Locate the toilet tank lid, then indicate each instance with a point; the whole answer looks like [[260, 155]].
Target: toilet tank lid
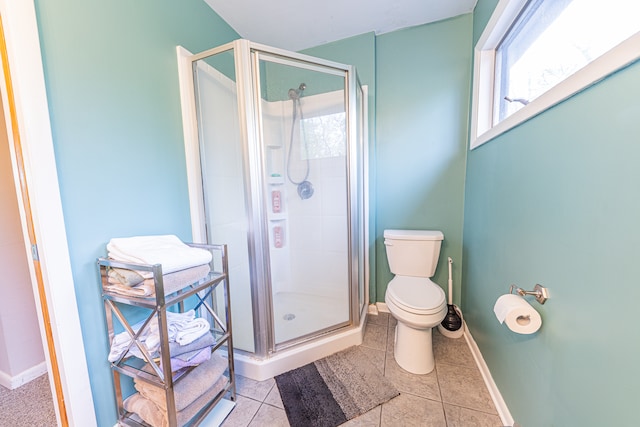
[[413, 234]]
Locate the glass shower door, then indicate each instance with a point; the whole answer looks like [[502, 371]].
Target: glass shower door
[[224, 190], [302, 120]]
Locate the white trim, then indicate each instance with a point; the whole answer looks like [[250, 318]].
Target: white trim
[[382, 307], [498, 401], [365, 189], [482, 128], [23, 48], [191, 144], [373, 309], [13, 382]]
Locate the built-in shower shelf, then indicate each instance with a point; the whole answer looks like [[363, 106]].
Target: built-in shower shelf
[[277, 217], [275, 180]]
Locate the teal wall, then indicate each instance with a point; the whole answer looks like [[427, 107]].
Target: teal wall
[[555, 201], [112, 84], [423, 77], [552, 201], [419, 82]]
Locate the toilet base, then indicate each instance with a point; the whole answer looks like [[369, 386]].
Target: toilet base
[[413, 349]]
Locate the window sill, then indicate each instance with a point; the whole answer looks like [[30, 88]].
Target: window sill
[[619, 57]]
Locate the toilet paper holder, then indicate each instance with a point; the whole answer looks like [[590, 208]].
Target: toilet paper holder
[[541, 293]]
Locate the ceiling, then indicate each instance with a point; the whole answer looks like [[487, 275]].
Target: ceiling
[[300, 24]]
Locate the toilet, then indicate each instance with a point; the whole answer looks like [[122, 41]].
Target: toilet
[[417, 303]]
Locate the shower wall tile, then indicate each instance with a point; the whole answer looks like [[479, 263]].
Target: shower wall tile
[[306, 232], [334, 200], [297, 206], [334, 167], [334, 233], [337, 273]]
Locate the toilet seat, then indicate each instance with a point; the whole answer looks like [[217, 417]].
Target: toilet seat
[[417, 295]]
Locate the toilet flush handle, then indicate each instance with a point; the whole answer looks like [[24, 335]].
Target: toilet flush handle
[[388, 243]]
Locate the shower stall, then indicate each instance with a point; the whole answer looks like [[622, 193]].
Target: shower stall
[[276, 161]]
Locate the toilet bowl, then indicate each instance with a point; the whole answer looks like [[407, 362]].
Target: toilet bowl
[[417, 303]]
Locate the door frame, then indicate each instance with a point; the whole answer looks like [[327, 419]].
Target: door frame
[[34, 169]]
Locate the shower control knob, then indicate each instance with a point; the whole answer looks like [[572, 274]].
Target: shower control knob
[[305, 190]]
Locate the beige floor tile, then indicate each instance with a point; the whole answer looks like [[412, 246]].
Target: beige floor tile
[[391, 338], [453, 395], [463, 417], [368, 419], [273, 398], [425, 386], [408, 411], [454, 351], [375, 336], [242, 413], [270, 416], [256, 390], [392, 321], [464, 386], [373, 356], [381, 319]]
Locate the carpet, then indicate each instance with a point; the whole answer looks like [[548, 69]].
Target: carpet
[[333, 390], [31, 404]]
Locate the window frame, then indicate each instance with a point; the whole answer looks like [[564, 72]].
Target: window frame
[[484, 72]]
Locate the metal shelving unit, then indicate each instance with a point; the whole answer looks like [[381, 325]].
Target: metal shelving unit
[[208, 296]]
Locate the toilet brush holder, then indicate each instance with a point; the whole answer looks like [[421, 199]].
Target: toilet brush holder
[[457, 333]]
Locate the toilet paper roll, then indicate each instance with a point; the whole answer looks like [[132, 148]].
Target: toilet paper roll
[[517, 313]]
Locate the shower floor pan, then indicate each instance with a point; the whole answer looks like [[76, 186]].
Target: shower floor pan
[[297, 314]]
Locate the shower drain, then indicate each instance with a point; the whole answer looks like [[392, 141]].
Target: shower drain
[[289, 316]]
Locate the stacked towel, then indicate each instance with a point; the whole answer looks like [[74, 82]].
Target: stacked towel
[[189, 388], [205, 341], [151, 414], [186, 360], [125, 277], [182, 328], [167, 250], [121, 281]]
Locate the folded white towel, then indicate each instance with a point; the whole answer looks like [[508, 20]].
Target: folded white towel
[[121, 342], [182, 328], [167, 250], [122, 276], [192, 331]]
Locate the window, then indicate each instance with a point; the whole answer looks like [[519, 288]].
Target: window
[[534, 54], [325, 136]]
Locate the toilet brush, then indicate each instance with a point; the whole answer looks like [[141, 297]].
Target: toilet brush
[[451, 326]]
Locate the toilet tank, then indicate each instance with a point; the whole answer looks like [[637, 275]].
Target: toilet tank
[[413, 252]]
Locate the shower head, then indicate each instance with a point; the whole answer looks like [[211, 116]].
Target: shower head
[[297, 93]]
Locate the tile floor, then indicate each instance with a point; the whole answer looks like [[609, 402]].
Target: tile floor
[[453, 395]]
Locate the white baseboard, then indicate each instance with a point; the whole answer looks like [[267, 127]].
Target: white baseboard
[[373, 309], [498, 401], [382, 307], [7, 381]]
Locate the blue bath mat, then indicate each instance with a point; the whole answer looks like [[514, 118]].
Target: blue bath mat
[[333, 390]]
